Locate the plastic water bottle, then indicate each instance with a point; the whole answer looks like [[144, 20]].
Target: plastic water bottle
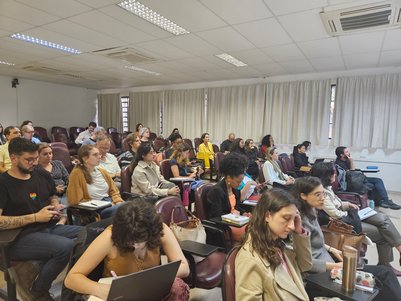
[[372, 204]]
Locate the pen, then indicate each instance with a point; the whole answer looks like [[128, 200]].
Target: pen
[[93, 204], [113, 274]]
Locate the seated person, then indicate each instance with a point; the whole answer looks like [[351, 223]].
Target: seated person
[[108, 161], [86, 134], [144, 133], [179, 163], [89, 182], [175, 131], [272, 172], [225, 146], [28, 201], [264, 254], [379, 193], [133, 243], [146, 177], [205, 151], [175, 141], [379, 227], [251, 152], [238, 146], [300, 158], [137, 129], [10, 133], [224, 197], [310, 193], [2, 137], [27, 132], [97, 133], [126, 158], [56, 168], [267, 142]]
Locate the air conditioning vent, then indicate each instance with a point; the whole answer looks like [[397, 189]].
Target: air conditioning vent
[[362, 18], [41, 69], [128, 55]]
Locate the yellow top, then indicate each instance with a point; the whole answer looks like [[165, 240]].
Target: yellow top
[[5, 156], [205, 152]]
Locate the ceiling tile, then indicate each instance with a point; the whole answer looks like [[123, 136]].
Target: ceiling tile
[[264, 33], [198, 63], [270, 69], [193, 44], [392, 39], [390, 58], [361, 60], [246, 72], [235, 12], [110, 26], [252, 57], [163, 49], [304, 26], [98, 3], [298, 66], [25, 13], [59, 8], [360, 43], [196, 17], [13, 25], [320, 48], [284, 53], [328, 63], [227, 39], [283, 7]]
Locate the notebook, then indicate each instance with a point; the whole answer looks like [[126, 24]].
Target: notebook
[[366, 212], [235, 219], [140, 286], [95, 204]]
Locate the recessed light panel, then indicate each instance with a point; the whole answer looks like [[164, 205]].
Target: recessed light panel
[[230, 59], [7, 63], [141, 70]]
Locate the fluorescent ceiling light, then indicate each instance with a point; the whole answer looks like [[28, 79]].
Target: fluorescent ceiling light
[[230, 59], [151, 16], [44, 43], [7, 63], [141, 70]]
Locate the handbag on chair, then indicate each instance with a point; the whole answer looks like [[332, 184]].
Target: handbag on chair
[[191, 229], [338, 234]]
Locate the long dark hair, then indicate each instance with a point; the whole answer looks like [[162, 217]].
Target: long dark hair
[[324, 171], [135, 222], [262, 241], [305, 185], [235, 147], [266, 141], [143, 150]]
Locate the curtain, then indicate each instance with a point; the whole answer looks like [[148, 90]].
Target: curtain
[[238, 109], [298, 111], [109, 111], [145, 108], [185, 110], [367, 112]]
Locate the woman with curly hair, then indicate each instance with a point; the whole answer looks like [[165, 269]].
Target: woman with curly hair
[[267, 267], [132, 243]]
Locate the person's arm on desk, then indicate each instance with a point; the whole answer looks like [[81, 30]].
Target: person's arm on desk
[[173, 251], [77, 279]]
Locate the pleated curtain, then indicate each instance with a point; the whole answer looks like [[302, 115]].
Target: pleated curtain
[[109, 111]]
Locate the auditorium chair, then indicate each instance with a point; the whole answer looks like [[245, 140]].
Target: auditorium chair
[[59, 129], [192, 155], [287, 166], [215, 148], [152, 136], [74, 131], [218, 156], [59, 144], [62, 154], [111, 130], [228, 279], [197, 142], [158, 144], [116, 137], [205, 274], [42, 134]]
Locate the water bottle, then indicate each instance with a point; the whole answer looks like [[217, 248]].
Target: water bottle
[[372, 204], [350, 256]]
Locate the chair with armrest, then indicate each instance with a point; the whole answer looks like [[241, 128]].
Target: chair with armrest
[[59, 129], [192, 155], [116, 138], [59, 145], [216, 148], [218, 156], [6, 238], [41, 132], [287, 165], [205, 274], [228, 281], [126, 183], [74, 131], [165, 169], [197, 142], [359, 199], [158, 143], [62, 154]]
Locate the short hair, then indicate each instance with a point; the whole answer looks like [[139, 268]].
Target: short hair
[[102, 138], [233, 165], [20, 145], [25, 122], [324, 171], [340, 151], [99, 129], [7, 130], [174, 136], [134, 222], [26, 127], [93, 124]]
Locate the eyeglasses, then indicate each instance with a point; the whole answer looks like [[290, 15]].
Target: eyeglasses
[[31, 160], [318, 194]]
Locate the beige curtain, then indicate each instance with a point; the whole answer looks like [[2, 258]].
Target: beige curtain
[[109, 111], [298, 111], [145, 108], [367, 112], [238, 109], [185, 110]]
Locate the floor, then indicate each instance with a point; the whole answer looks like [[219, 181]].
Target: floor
[[215, 294]]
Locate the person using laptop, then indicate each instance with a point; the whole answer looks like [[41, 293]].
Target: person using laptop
[[379, 227], [131, 244]]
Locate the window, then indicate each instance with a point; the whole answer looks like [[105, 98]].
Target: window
[[124, 112], [332, 100]]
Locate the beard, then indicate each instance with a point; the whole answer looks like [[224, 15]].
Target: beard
[[24, 169]]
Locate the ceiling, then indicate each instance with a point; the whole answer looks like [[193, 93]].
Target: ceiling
[[273, 37]]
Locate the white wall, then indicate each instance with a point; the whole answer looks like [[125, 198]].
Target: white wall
[[46, 104]]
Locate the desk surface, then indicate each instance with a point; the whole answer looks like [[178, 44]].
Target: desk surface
[[323, 281], [218, 220], [197, 248]]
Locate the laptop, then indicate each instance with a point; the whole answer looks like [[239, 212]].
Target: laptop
[[152, 284]]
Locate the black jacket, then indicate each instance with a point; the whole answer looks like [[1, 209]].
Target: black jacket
[[218, 202]]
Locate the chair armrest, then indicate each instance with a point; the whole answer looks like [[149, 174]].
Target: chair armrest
[[197, 248], [8, 236]]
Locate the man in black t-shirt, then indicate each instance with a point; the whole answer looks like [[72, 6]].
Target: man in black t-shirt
[[28, 200], [379, 192], [225, 146]]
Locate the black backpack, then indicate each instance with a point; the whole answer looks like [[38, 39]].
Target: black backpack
[[356, 182]]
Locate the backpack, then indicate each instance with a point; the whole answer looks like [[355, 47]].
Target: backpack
[[356, 181], [341, 178]]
